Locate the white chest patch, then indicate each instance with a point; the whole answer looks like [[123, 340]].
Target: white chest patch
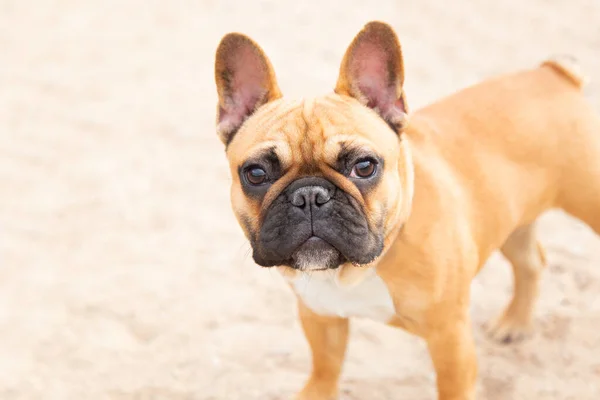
[[369, 298]]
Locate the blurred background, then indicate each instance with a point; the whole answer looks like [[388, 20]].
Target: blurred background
[[123, 274]]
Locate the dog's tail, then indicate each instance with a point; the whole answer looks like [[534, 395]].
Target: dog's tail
[[568, 67]]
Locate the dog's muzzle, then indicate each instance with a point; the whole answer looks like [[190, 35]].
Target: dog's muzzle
[[313, 225]]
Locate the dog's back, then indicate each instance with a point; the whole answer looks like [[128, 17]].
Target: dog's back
[[520, 144]]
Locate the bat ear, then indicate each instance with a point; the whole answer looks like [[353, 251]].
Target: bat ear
[[372, 71], [245, 81]]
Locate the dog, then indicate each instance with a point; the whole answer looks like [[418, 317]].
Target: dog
[[371, 211]]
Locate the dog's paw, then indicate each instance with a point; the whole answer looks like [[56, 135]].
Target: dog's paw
[[315, 390], [506, 329], [310, 397], [314, 396]]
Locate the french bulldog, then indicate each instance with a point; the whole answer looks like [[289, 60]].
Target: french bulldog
[[371, 211]]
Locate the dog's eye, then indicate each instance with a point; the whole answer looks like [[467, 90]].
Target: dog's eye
[[256, 175], [364, 169]]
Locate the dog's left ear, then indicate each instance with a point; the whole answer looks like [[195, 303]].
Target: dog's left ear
[[372, 71], [245, 81]]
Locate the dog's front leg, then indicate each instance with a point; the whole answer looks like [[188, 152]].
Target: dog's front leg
[[327, 337], [452, 351]]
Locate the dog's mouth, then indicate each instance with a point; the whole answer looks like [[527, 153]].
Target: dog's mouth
[[316, 254], [313, 225]]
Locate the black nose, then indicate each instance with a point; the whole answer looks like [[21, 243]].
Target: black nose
[[310, 196]]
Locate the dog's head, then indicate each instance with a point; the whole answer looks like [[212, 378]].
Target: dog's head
[[321, 182]]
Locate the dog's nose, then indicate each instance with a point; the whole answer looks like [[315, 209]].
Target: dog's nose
[[307, 196]]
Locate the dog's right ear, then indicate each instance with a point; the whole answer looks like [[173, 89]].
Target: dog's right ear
[[372, 72], [245, 81]]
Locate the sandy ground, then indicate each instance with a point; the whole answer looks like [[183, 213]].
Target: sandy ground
[[123, 273]]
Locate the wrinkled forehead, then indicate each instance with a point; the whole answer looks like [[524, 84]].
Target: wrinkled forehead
[[312, 131]]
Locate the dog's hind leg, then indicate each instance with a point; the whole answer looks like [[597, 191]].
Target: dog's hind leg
[[581, 197], [527, 258], [579, 183]]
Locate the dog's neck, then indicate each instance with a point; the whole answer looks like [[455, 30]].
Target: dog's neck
[[406, 170]]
